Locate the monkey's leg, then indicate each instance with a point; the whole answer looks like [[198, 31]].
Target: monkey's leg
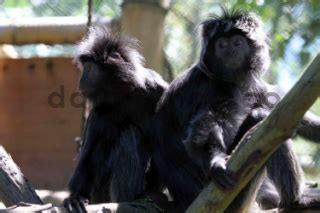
[[129, 165], [268, 197], [285, 172], [184, 180], [245, 199], [309, 127]]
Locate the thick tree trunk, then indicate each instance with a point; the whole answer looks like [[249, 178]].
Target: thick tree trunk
[[144, 19], [256, 147]]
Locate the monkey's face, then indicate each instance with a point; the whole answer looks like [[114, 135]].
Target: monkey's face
[[91, 74], [106, 76], [234, 46], [228, 56], [232, 51], [110, 66]]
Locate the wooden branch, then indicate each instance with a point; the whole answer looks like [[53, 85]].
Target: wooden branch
[[256, 147], [48, 30], [106, 207], [18, 195], [14, 187]]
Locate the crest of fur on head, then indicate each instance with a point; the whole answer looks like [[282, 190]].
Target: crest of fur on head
[[100, 39], [246, 22]]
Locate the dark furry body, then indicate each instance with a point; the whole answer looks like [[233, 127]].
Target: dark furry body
[[115, 157], [113, 161], [188, 98], [198, 118]]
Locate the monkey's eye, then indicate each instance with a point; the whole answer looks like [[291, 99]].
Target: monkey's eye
[[237, 40], [115, 55], [222, 43]]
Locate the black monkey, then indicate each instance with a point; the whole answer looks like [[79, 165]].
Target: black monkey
[[232, 44], [115, 156], [282, 187], [220, 90]]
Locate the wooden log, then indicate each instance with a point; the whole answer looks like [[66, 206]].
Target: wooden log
[[14, 187], [18, 195], [48, 30], [128, 207]]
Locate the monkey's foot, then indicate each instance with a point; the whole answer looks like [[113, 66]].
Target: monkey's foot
[[75, 204], [223, 177], [306, 202]]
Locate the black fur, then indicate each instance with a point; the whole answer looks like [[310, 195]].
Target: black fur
[[197, 120], [114, 159], [206, 89]]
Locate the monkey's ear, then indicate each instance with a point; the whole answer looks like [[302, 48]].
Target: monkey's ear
[[209, 28], [85, 58]]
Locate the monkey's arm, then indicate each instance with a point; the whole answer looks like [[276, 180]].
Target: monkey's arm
[[309, 127], [219, 156], [204, 132], [256, 115], [81, 181]]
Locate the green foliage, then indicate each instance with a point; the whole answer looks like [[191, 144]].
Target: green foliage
[[16, 9], [14, 3], [60, 8], [110, 8], [285, 21]]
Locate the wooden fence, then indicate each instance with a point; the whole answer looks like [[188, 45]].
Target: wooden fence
[[40, 117]]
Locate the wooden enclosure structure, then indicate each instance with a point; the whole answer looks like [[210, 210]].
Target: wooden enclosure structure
[[37, 133], [38, 122]]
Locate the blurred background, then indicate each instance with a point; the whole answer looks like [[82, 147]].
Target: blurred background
[[40, 107]]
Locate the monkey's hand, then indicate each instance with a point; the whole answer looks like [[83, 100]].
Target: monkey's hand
[[219, 174], [75, 203], [258, 114]]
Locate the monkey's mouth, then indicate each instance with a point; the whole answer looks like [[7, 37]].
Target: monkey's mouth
[[85, 90], [85, 93], [233, 62]]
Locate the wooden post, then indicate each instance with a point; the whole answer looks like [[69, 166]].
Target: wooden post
[[144, 19]]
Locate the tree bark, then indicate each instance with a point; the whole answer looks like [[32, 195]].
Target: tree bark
[[256, 146], [106, 207], [17, 194], [144, 19], [14, 186]]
